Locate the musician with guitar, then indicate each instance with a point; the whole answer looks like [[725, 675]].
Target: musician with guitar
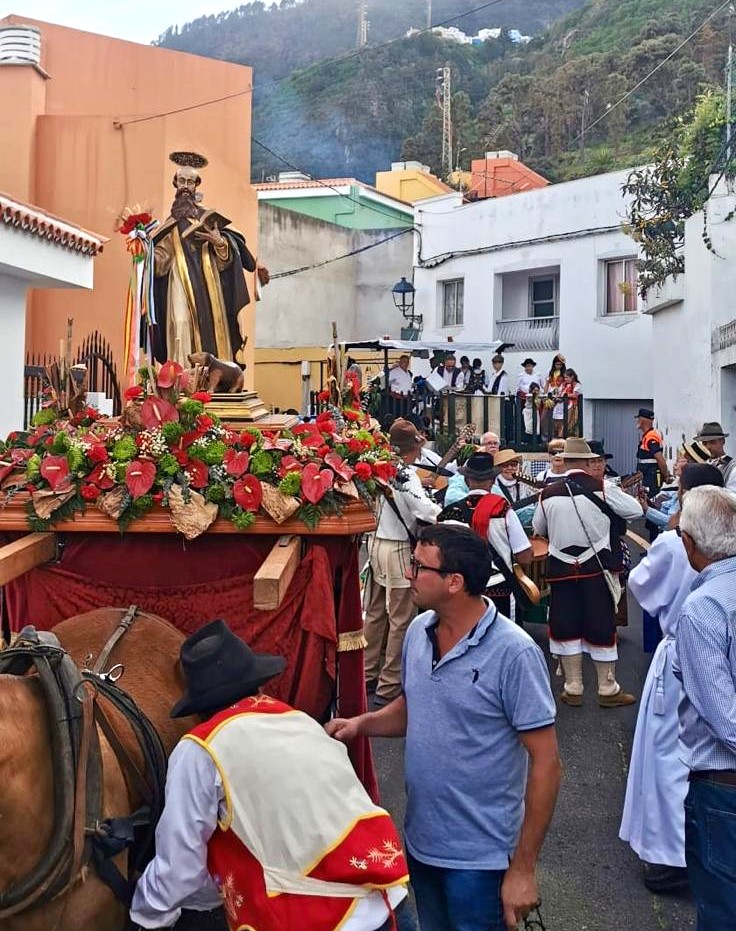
[[520, 492], [389, 608]]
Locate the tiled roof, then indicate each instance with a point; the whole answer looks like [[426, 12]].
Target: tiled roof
[[37, 222], [317, 183]]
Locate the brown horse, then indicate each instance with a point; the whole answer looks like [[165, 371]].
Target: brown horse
[[149, 654]]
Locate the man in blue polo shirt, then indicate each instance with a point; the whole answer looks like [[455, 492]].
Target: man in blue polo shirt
[[482, 765]]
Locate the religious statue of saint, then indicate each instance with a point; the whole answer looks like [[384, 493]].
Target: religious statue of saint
[[199, 282]]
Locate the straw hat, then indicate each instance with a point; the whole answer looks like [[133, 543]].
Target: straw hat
[[576, 448], [697, 452], [505, 456]]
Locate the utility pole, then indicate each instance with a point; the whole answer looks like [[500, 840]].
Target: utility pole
[[584, 127], [444, 99], [362, 36], [729, 85]]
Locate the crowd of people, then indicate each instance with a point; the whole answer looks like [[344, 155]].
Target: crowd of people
[[450, 669], [550, 404]]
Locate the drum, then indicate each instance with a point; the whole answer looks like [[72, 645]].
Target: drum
[[537, 572]]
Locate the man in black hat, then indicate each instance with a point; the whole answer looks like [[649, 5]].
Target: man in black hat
[[711, 436], [650, 452], [491, 516], [263, 816]]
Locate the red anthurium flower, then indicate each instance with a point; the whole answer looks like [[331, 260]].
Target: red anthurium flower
[[97, 453], [19, 456], [135, 391], [339, 466], [99, 477], [236, 463], [384, 471], [181, 456], [199, 474], [6, 469], [248, 493], [289, 464], [269, 443], [316, 482], [155, 411], [202, 396], [168, 374], [363, 471], [55, 469], [182, 382], [140, 476]]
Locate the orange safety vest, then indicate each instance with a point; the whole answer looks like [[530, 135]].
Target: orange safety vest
[[644, 447]]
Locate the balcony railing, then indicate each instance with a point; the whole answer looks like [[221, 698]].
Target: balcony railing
[[530, 334], [724, 336]]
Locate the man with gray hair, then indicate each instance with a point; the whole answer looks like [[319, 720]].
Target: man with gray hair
[[706, 666]]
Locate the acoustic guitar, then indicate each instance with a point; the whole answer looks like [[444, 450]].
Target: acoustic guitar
[[440, 481]]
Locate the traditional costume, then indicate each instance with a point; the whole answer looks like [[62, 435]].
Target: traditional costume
[[264, 813], [583, 520]]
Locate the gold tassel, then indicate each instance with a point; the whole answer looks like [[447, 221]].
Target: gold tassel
[[351, 640]]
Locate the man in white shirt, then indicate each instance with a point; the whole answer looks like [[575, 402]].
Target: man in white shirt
[[583, 520], [389, 608], [400, 379], [452, 375], [498, 380]]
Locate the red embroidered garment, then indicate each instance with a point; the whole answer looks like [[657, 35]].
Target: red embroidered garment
[[360, 845]]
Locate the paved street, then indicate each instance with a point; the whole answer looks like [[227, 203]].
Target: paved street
[[590, 881]]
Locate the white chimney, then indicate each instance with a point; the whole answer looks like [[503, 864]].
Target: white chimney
[[20, 45], [287, 177], [410, 166], [502, 153]]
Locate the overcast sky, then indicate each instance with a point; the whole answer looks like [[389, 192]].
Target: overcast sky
[[136, 20]]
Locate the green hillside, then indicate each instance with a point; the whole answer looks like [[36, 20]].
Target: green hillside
[[550, 101]]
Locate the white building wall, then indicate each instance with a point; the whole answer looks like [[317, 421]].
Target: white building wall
[[693, 383], [12, 356], [355, 292], [575, 227]]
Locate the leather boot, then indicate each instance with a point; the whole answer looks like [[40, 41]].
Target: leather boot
[[610, 693], [572, 667]]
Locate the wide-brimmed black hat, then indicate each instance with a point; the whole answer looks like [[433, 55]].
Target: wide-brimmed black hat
[[528, 362], [479, 467], [711, 430], [596, 446], [220, 669]]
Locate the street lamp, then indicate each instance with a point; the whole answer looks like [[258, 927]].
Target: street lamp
[[403, 294]]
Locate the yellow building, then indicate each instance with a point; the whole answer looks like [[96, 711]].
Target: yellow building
[[410, 182]]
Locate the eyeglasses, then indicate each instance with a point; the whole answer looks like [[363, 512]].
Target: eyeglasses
[[416, 568]]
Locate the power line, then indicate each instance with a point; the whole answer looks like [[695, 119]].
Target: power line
[[319, 64], [609, 109], [337, 258], [320, 183]]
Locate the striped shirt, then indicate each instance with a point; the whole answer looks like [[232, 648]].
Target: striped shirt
[[706, 666]]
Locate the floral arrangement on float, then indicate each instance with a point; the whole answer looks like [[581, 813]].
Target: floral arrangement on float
[[167, 451]]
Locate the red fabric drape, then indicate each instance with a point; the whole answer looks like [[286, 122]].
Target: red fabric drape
[[192, 583]]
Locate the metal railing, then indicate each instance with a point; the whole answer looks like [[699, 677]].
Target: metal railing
[[724, 336], [95, 352], [530, 334]]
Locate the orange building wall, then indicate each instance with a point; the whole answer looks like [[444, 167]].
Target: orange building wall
[[85, 159]]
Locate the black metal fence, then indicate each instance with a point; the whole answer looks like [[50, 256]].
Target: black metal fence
[[95, 352], [521, 425]]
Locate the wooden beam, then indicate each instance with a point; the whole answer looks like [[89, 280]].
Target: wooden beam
[[22, 555], [272, 580]]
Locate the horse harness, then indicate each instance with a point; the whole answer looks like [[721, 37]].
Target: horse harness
[[80, 836]]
